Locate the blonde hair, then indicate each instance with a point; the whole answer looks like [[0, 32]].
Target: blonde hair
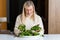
[[27, 3]]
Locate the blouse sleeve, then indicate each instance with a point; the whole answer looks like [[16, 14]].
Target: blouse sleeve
[[41, 25], [17, 23]]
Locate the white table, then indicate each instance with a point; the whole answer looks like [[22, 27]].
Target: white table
[[46, 37]]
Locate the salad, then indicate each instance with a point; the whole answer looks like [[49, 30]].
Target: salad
[[34, 31]]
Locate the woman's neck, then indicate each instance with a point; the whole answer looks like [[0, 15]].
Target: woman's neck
[[31, 17]]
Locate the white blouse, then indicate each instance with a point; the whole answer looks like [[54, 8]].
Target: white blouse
[[29, 24]]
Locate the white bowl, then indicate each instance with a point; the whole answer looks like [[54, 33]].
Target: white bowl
[[29, 38]]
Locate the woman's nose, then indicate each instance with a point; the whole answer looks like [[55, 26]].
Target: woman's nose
[[29, 11]]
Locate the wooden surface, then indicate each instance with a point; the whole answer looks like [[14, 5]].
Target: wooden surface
[[5, 32], [2, 8], [3, 26], [54, 17], [3, 13]]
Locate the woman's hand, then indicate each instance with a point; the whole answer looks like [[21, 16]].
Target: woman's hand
[[37, 30], [16, 31]]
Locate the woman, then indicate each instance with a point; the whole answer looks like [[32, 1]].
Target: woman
[[29, 18]]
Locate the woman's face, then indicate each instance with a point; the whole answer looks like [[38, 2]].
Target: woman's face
[[29, 10]]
